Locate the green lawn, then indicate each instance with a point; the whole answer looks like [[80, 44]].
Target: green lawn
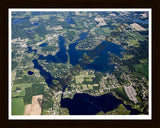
[[18, 106], [142, 68]]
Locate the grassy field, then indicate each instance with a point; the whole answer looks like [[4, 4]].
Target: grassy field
[[134, 43], [138, 36], [100, 32], [44, 17], [22, 92], [13, 76], [25, 72], [84, 86], [79, 79], [121, 110], [88, 79], [107, 30], [101, 113], [64, 111], [143, 61], [120, 93], [17, 106], [127, 57], [30, 54], [142, 68]]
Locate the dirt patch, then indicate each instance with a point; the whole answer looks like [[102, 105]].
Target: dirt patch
[[36, 107]]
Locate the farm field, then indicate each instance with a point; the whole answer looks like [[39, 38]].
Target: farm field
[[17, 106]]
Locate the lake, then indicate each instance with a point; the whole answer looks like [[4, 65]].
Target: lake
[[60, 57], [42, 45], [30, 73], [100, 63], [141, 21], [46, 75], [31, 50], [69, 20], [16, 21], [36, 24], [84, 104]]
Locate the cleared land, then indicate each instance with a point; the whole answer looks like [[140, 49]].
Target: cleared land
[[35, 107]]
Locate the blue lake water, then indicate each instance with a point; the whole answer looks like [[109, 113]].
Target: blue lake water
[[141, 21], [46, 75], [84, 104], [30, 73], [42, 45], [31, 50], [17, 21], [29, 31], [69, 20], [60, 57], [100, 63], [36, 24]]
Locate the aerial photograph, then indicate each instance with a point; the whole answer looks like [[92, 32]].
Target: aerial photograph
[[79, 62]]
